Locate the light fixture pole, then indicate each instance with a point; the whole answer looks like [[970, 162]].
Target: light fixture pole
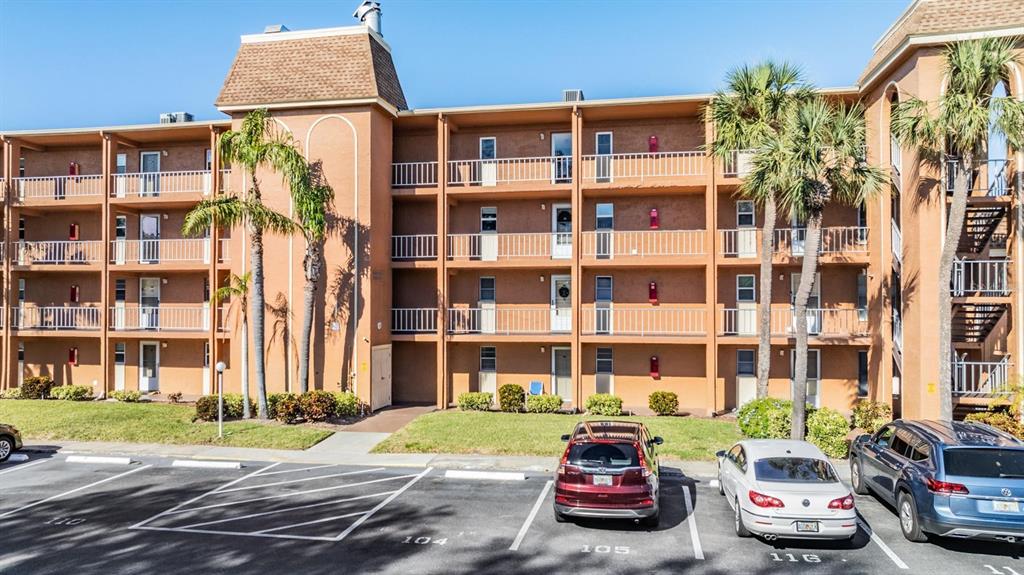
[[220, 399]]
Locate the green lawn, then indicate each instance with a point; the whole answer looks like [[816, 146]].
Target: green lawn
[[490, 433], [145, 423]]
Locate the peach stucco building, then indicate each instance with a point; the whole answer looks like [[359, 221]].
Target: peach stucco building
[[576, 246]]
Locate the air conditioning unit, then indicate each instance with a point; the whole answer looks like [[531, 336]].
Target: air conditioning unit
[[572, 95], [175, 117]]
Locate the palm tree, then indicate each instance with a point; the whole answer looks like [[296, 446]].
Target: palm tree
[[820, 158], [238, 287], [966, 112], [746, 115], [312, 204], [230, 211]]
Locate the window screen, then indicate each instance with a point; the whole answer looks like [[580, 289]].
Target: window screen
[[745, 291], [487, 291], [603, 289], [745, 362], [745, 214], [604, 360], [488, 359]]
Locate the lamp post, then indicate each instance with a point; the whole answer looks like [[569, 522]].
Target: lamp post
[[220, 398]]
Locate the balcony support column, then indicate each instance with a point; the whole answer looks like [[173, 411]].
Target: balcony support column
[[715, 387], [443, 135], [577, 244], [109, 167], [214, 251], [880, 354], [11, 152]]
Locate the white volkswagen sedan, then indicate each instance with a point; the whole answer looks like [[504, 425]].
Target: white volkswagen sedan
[[785, 488]]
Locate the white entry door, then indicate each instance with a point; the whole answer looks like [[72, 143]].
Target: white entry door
[[813, 374], [380, 389], [561, 372], [561, 231], [814, 314], [149, 366], [561, 303], [149, 238], [150, 168], [149, 303], [119, 365]]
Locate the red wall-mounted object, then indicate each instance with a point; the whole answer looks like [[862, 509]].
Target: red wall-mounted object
[[74, 296], [72, 356], [655, 368], [73, 232], [655, 220], [652, 292], [73, 169], [652, 144]]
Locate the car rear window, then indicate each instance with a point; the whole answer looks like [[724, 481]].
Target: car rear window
[[794, 470], [609, 455], [987, 462]]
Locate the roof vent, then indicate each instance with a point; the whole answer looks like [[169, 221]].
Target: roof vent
[[275, 28], [369, 14], [572, 95], [175, 117]]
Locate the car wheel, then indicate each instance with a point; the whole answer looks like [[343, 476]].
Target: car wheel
[[652, 521], [6, 448], [857, 479], [907, 510], [721, 488], [559, 518], [741, 530]]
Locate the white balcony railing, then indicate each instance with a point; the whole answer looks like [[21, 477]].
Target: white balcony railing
[[492, 247], [980, 277], [55, 318], [414, 247], [550, 169], [828, 322], [895, 156], [59, 252], [154, 184], [897, 242], [746, 242], [195, 250], [644, 243], [407, 174], [738, 164], [58, 187], [644, 320], [160, 318], [414, 320], [509, 320], [981, 378], [992, 178], [643, 167]]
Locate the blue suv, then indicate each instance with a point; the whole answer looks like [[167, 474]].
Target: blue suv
[[954, 479]]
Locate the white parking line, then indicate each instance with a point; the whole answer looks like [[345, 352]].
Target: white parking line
[[234, 533], [381, 505], [205, 464], [698, 551], [300, 469], [301, 480], [99, 459], [533, 514], [76, 490], [286, 509], [314, 522], [491, 475], [23, 466], [885, 548]]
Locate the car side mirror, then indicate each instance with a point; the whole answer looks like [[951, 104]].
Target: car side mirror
[[657, 440], [566, 437], [720, 454]]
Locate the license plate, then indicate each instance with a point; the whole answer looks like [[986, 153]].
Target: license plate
[[807, 526], [1006, 506], [602, 480]]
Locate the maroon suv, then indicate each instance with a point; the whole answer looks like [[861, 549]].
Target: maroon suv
[[609, 469]]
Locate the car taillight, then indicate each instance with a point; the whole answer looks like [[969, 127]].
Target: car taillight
[[645, 471], [841, 503], [945, 487], [762, 500], [565, 456]]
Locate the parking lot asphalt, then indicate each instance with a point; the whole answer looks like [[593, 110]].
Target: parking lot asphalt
[[58, 516]]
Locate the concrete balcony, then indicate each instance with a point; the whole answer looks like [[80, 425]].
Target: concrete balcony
[[161, 318], [642, 246], [188, 185], [510, 247], [58, 189], [550, 170], [643, 169], [175, 252], [414, 320], [982, 379], [989, 178], [837, 242], [821, 322], [64, 253], [414, 174], [509, 320], [409, 248], [643, 320], [55, 318], [980, 278]]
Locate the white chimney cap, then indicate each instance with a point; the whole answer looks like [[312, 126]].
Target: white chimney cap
[[275, 28], [364, 8]]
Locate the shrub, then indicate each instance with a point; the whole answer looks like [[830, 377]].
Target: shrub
[[1000, 420], [827, 428], [71, 392], [604, 404], [174, 397], [317, 405], [663, 402], [234, 405], [871, 415], [12, 393], [511, 397], [544, 403], [126, 395], [346, 404], [766, 418], [475, 401], [273, 399], [37, 387], [206, 408], [289, 408]]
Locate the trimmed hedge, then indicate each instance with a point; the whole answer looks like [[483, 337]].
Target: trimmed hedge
[[871, 415], [126, 395], [1000, 420], [347, 404], [36, 387], [71, 392], [11, 393], [511, 398], [317, 405], [289, 408], [544, 403], [827, 428], [206, 407], [475, 401], [604, 404], [273, 399], [663, 402], [766, 418]]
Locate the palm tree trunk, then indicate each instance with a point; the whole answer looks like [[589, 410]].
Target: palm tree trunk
[[764, 327], [312, 267], [954, 227], [808, 270], [246, 412], [258, 318]]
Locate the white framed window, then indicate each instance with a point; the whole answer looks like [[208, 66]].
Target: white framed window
[[21, 167], [745, 362], [862, 296], [119, 353], [122, 164], [206, 354], [21, 290], [603, 289], [21, 229], [120, 227], [489, 358], [488, 148], [605, 361], [487, 289], [603, 143], [862, 373], [746, 290], [120, 289], [605, 216], [746, 216], [488, 219], [209, 159]]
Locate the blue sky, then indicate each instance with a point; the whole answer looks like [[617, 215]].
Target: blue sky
[[95, 63]]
